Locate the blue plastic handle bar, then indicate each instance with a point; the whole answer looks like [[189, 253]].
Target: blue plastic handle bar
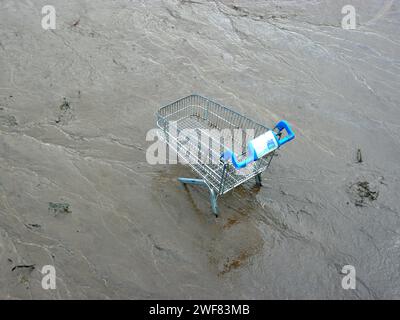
[[252, 156], [283, 125], [238, 165]]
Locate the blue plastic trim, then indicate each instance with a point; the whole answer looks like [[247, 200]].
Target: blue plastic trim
[[252, 155], [229, 155], [283, 125], [192, 181]]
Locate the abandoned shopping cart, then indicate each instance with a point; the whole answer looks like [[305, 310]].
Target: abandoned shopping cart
[[223, 147]]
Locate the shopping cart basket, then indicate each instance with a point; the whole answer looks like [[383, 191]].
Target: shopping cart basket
[[223, 147]]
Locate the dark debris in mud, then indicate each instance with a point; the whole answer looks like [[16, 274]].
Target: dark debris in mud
[[359, 156], [234, 263], [64, 113], [32, 225], [231, 222], [59, 208], [74, 24], [7, 119], [65, 105], [362, 192], [29, 267]]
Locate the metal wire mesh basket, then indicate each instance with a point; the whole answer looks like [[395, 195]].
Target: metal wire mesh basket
[[192, 127]]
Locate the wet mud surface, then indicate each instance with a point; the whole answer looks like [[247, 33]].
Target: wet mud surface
[[77, 192]]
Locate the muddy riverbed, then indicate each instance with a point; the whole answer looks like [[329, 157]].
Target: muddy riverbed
[[76, 191]]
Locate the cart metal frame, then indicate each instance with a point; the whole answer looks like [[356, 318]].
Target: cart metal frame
[[198, 113]]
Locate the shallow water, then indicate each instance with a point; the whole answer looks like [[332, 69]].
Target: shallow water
[[131, 230]]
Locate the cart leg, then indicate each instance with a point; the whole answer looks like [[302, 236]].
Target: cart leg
[[200, 182], [213, 200], [192, 181], [258, 180]]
